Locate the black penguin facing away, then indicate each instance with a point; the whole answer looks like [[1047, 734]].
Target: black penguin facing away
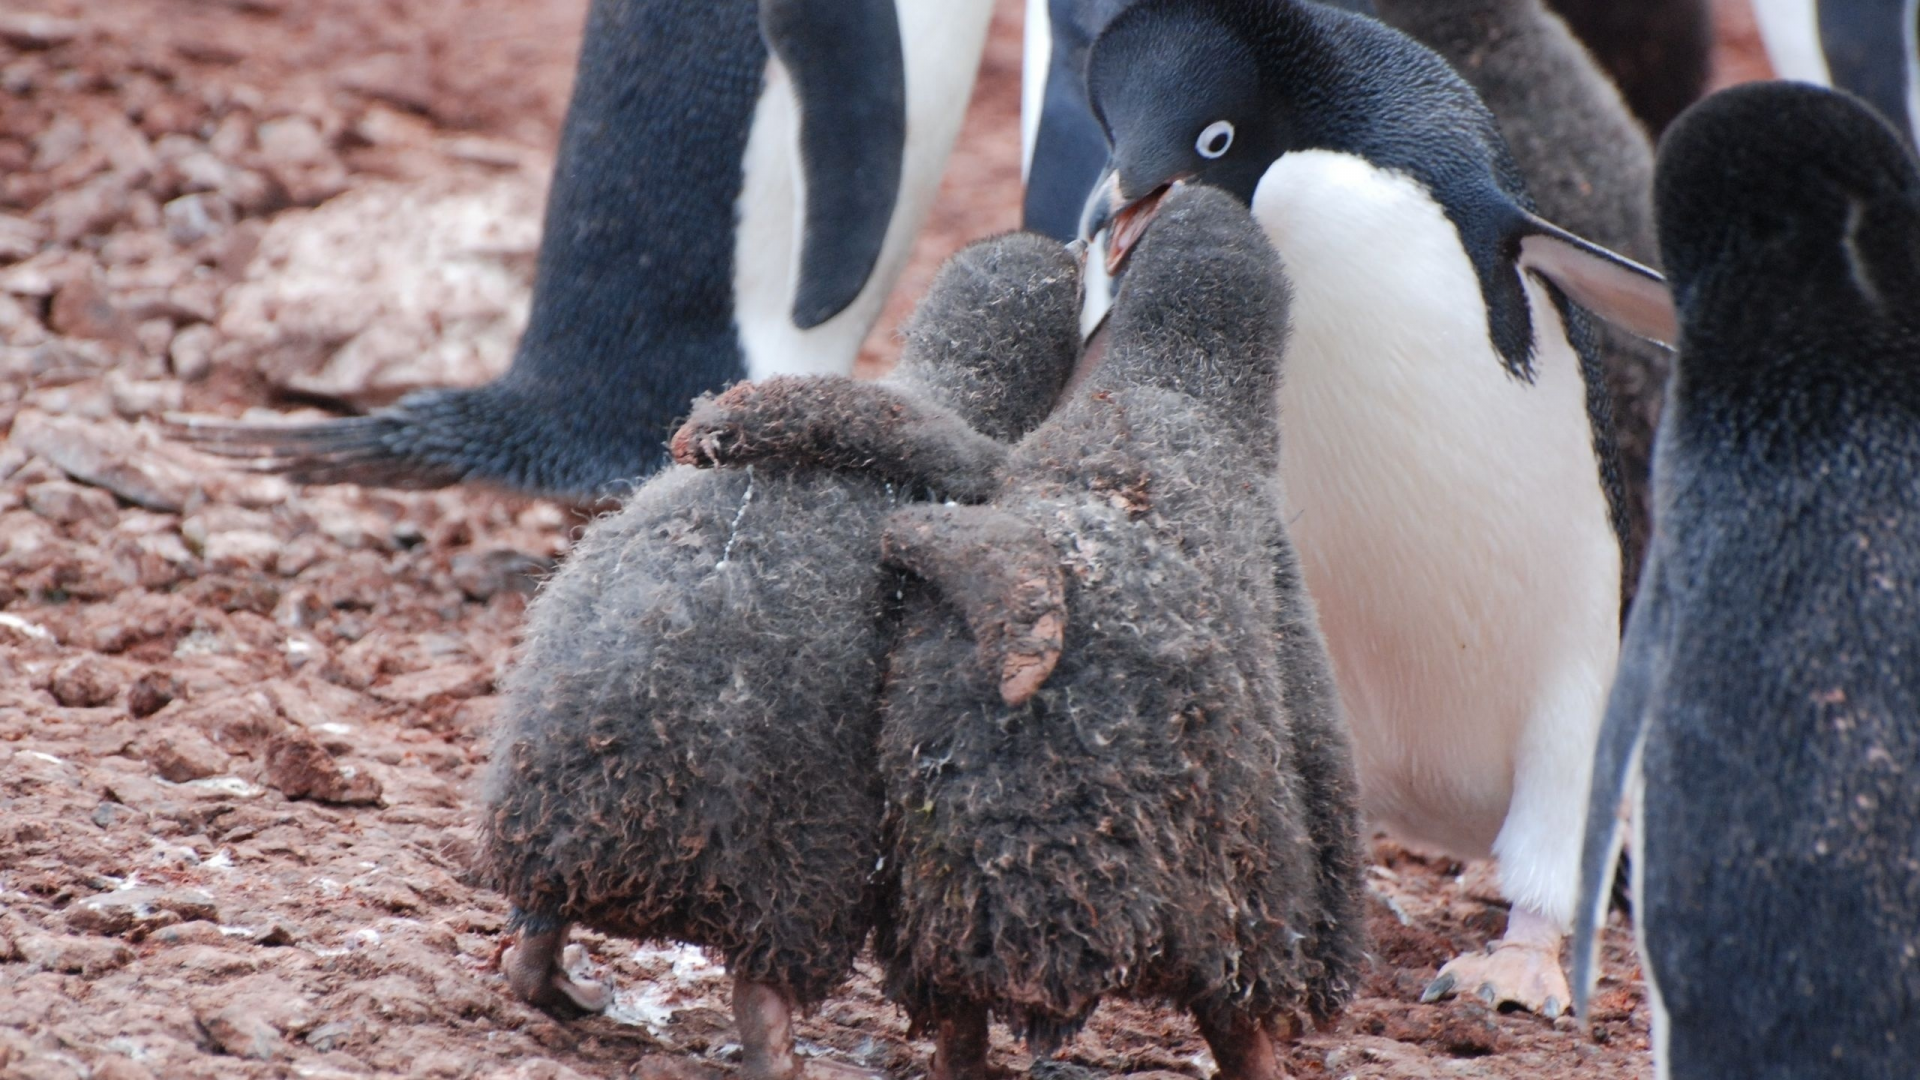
[[1449, 476], [1172, 816], [687, 749], [668, 266], [1764, 716]]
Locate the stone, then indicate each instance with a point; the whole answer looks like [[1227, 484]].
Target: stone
[[150, 693], [20, 237], [195, 217], [302, 769], [82, 309], [108, 455], [191, 353], [67, 503], [482, 575], [29, 30], [85, 682], [139, 911], [443, 680], [238, 1031], [120, 1068], [181, 754], [87, 956]]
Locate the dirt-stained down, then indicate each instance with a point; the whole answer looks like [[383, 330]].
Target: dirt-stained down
[[240, 721]]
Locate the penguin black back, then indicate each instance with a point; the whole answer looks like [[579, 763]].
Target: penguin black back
[[1769, 682]]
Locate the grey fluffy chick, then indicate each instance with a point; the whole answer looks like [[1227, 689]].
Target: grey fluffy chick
[[1589, 166], [1141, 827], [1172, 816], [687, 749]]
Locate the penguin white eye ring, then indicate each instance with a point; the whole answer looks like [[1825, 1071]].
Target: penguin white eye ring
[[1215, 139]]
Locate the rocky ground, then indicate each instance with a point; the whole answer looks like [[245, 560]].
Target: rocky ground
[[240, 721]]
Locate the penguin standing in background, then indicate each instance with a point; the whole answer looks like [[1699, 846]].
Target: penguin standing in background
[[1449, 472], [1870, 48], [1764, 716], [1660, 52], [737, 187]]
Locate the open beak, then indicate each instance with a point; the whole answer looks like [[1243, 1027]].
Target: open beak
[[1126, 222]]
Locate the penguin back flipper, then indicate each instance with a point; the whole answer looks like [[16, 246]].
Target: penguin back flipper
[[1003, 577], [849, 76], [834, 422], [497, 434], [1613, 776], [353, 449]]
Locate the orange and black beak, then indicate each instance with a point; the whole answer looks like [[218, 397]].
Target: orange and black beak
[[1124, 220]]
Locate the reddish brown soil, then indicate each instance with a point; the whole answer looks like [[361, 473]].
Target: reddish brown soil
[[240, 722]]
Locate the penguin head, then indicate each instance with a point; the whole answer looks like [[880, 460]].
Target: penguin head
[[1218, 129], [998, 333], [1204, 312], [1780, 186], [1214, 91]]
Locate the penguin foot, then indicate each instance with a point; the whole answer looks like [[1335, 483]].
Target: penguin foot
[[537, 974], [1243, 1049], [1523, 974], [960, 1044]]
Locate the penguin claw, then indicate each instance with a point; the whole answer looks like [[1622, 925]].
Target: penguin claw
[[1510, 973], [537, 976]]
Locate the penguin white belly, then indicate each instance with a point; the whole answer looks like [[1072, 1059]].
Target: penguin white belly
[[1451, 524], [941, 42], [1790, 30]]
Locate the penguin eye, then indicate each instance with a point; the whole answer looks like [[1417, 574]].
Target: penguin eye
[[1215, 140]]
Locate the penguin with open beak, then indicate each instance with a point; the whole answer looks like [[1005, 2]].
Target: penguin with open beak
[[738, 186], [1449, 472]]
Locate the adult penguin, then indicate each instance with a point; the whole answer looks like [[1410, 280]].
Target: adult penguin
[[1869, 48], [737, 187], [1449, 470], [1764, 715], [1657, 51]]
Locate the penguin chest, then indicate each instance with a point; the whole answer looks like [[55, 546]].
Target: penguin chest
[[1449, 516], [941, 42]]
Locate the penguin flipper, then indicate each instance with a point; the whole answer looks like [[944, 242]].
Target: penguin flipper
[[365, 450], [1614, 287], [840, 423], [1616, 755], [849, 78], [1001, 574]]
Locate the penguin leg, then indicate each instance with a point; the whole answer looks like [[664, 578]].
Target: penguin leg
[[536, 971], [960, 1043], [841, 423], [1523, 968], [1242, 1048], [1003, 576], [764, 1014]]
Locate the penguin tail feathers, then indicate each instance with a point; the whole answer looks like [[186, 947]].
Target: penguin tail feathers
[[370, 450]]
